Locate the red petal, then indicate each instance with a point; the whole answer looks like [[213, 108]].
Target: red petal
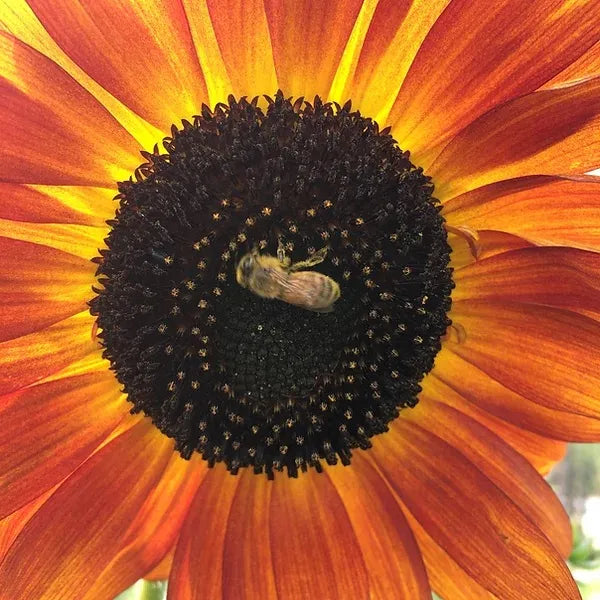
[[247, 557], [308, 39], [383, 45], [542, 452], [69, 541], [315, 550], [57, 204], [470, 518], [392, 558], [534, 208], [11, 526], [47, 140], [485, 243], [154, 72], [564, 277], [586, 65], [447, 578], [32, 357], [547, 132], [197, 570], [39, 286], [483, 56], [501, 464], [48, 432], [154, 529], [241, 42], [559, 374]]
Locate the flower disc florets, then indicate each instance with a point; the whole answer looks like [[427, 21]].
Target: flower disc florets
[[259, 382]]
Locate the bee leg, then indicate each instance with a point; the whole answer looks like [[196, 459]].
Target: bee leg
[[281, 257], [284, 261], [311, 261]]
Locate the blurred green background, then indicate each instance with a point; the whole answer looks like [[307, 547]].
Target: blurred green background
[[577, 482]]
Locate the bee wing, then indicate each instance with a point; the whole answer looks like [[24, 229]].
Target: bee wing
[[308, 289]]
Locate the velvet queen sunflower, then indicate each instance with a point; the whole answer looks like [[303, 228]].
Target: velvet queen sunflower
[[160, 419]]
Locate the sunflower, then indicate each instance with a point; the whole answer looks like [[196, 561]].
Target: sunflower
[[161, 420]]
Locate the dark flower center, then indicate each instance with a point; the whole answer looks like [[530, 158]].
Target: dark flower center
[[263, 382]]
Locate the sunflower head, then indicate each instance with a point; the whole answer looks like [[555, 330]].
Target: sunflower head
[[248, 380]]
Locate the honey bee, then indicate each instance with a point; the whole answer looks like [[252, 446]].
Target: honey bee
[[277, 277]]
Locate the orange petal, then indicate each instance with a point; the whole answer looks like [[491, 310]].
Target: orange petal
[[197, 570], [392, 558], [564, 277], [308, 39], [34, 356], [470, 518], [477, 387], [47, 140], [547, 132], [66, 544], [543, 353], [154, 529], [380, 52], [483, 56], [39, 286], [534, 208], [57, 204], [542, 452], [154, 72], [586, 65], [49, 429], [505, 467], [235, 36], [315, 550]]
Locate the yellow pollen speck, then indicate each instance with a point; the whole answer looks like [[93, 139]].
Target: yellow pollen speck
[[190, 285], [266, 211], [311, 212], [216, 216]]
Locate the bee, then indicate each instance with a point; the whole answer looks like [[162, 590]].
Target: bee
[[277, 277]]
